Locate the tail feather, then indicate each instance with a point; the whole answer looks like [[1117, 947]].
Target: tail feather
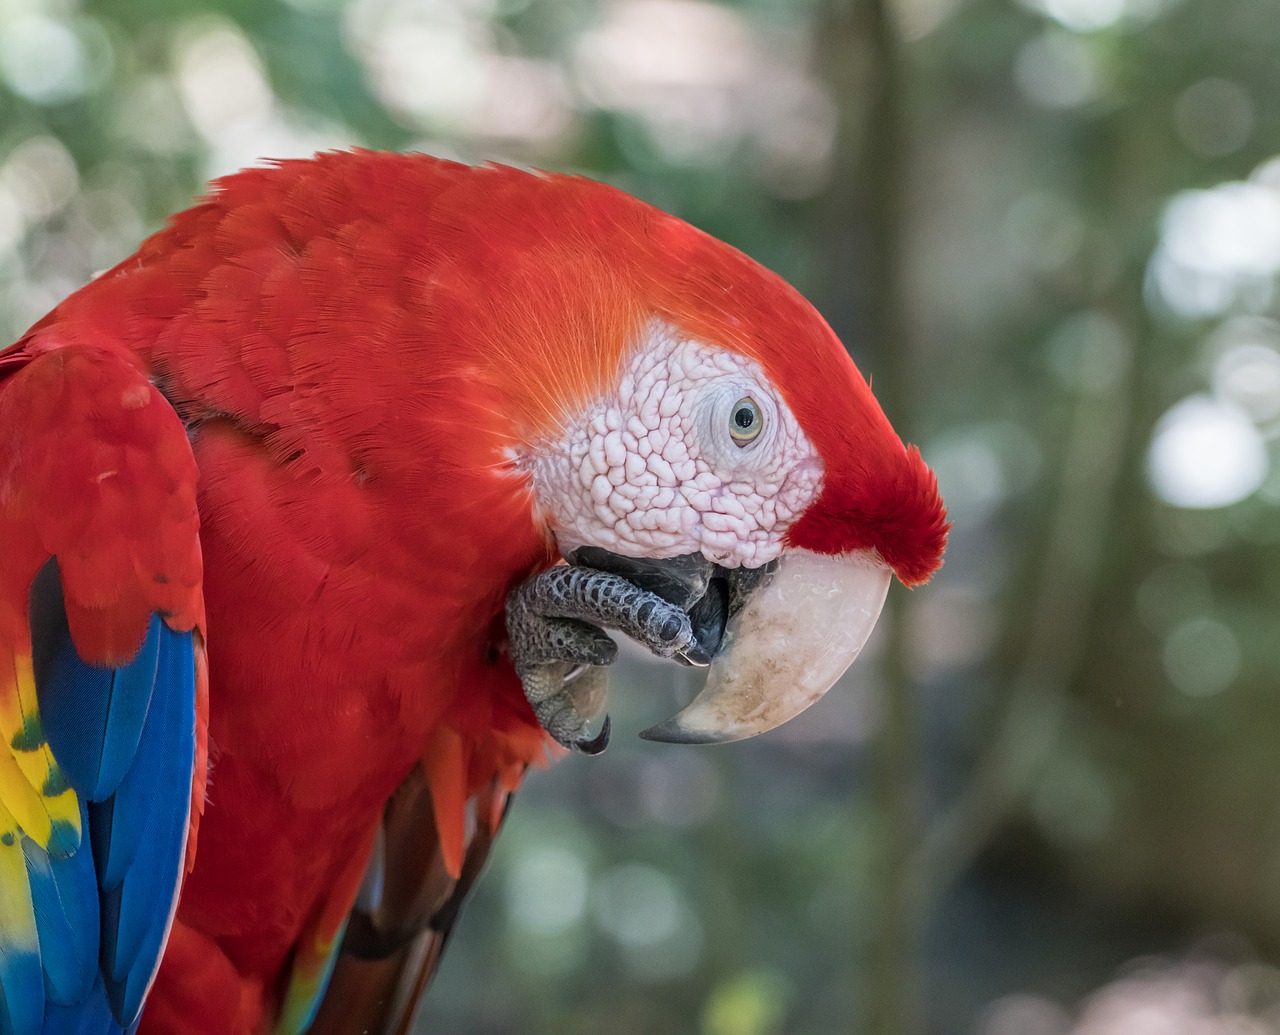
[[393, 945]]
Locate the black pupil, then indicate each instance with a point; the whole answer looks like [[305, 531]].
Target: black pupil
[[745, 417]]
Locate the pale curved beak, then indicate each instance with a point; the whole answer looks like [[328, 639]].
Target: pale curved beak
[[793, 638]]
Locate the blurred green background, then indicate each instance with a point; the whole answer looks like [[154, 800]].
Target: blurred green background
[[1045, 801]]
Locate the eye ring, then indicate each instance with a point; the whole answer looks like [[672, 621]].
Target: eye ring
[[746, 421]]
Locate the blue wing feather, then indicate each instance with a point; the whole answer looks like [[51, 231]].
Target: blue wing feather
[[129, 818], [109, 705], [21, 992], [64, 893], [93, 922], [91, 1017], [135, 917]]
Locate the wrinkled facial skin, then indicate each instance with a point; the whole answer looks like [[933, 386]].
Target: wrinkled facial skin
[[658, 468]]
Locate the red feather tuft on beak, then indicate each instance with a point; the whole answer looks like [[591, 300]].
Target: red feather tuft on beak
[[902, 518]]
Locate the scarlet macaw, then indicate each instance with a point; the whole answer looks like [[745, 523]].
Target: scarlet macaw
[[265, 488]]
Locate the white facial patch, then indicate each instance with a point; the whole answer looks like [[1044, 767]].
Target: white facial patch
[[693, 452]]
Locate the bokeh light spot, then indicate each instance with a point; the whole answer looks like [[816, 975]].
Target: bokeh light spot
[[1044, 231], [1246, 371], [637, 905], [753, 1003], [1214, 117], [42, 174], [1023, 1014], [641, 908], [1058, 70], [222, 81], [980, 467], [1205, 454], [547, 889], [1089, 352], [1096, 15], [43, 60], [1217, 246], [1082, 15], [12, 223], [1201, 657]]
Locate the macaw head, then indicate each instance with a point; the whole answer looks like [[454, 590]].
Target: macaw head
[[717, 435], [666, 409]]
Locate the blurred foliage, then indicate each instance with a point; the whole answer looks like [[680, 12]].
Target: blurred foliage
[[1050, 231]]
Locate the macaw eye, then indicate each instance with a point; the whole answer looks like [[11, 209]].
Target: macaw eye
[[746, 421]]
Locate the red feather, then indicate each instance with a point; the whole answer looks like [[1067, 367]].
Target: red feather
[[356, 343]]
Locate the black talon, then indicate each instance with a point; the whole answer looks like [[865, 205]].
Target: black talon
[[597, 744]]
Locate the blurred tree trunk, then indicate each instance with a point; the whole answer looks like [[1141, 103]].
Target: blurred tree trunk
[[863, 212]]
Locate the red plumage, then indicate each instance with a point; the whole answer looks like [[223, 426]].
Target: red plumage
[[356, 344]]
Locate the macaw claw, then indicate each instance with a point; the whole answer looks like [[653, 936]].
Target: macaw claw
[[555, 624], [597, 744]]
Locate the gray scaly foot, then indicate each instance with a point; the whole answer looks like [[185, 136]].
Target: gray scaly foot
[[555, 623]]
